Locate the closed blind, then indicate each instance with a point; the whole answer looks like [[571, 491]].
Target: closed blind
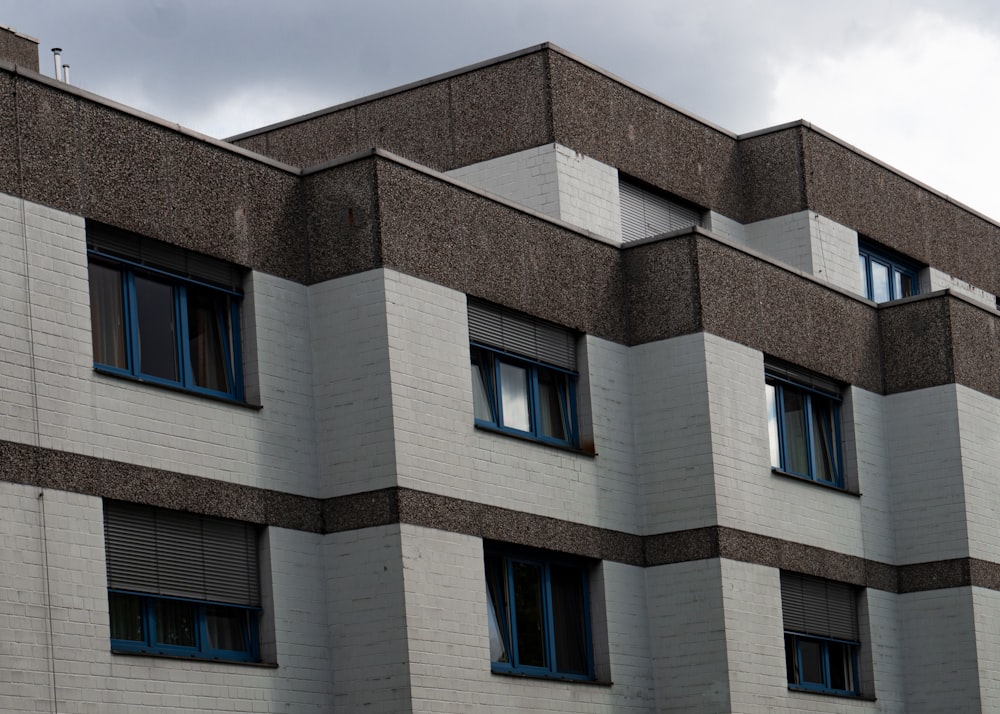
[[521, 334], [814, 606], [162, 552], [646, 214], [791, 373], [155, 254]]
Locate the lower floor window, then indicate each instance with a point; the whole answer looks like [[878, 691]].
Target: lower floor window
[[822, 664], [181, 584], [821, 634], [168, 626], [538, 614]]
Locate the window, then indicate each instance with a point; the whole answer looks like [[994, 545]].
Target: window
[[884, 275], [647, 213], [181, 584], [821, 634], [163, 314], [803, 421], [539, 614], [523, 374]]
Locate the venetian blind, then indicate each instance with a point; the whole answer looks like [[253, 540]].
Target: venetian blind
[[521, 334], [163, 552]]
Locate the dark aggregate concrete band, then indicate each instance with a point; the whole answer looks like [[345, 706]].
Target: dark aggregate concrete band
[[50, 469], [19, 49]]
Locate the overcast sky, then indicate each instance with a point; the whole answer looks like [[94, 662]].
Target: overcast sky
[[911, 82]]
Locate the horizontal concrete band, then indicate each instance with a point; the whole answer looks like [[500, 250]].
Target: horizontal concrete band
[[48, 468]]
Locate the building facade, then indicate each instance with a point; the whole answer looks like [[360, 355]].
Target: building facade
[[515, 389]]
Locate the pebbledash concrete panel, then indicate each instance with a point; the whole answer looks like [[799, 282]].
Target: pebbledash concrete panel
[[607, 120], [18, 48]]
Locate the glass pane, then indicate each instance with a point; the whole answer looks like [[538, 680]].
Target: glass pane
[[841, 666], [175, 623], [157, 332], [905, 285], [514, 396], [496, 606], [794, 418], [528, 614], [825, 446], [107, 316], [880, 282], [791, 659], [209, 337], [480, 394], [126, 617], [553, 390], [772, 425], [227, 628], [569, 619], [811, 655], [864, 276]]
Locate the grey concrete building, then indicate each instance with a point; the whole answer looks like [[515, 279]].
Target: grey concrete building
[[514, 389]]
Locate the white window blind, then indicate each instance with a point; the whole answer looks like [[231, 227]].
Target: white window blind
[[646, 214]]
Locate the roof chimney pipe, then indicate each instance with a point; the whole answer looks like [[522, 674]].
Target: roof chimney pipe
[[66, 73], [57, 58]]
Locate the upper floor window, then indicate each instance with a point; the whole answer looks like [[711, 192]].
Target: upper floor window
[[164, 315], [181, 584], [803, 420], [539, 613], [648, 213], [886, 275], [821, 634], [523, 374]]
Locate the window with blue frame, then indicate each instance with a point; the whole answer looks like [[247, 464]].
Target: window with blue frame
[[886, 275], [164, 315], [180, 584], [803, 419], [523, 374], [822, 639], [539, 614]]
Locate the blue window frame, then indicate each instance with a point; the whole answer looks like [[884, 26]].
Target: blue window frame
[[539, 614], [182, 628], [821, 664], [523, 396], [164, 328], [822, 640], [885, 275], [804, 426]]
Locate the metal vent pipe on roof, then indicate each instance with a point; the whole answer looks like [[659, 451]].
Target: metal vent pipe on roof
[[66, 73], [57, 58]]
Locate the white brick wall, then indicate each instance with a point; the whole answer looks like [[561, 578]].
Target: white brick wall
[[529, 178], [354, 419], [673, 440], [588, 193], [366, 609], [726, 227], [933, 279], [939, 649], [554, 180], [929, 501]]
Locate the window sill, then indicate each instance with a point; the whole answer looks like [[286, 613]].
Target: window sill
[[842, 695], [533, 440], [803, 479], [551, 678], [210, 660], [179, 390]]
